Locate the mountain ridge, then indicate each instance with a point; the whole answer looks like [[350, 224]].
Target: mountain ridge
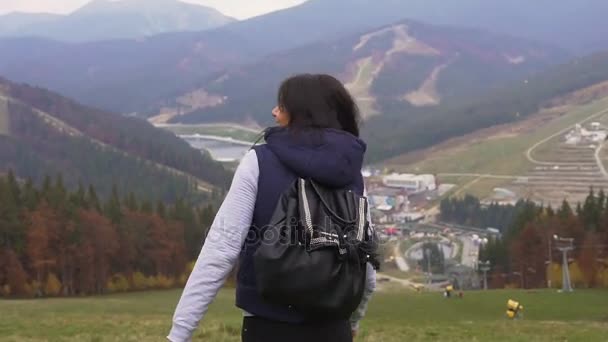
[[101, 20], [388, 69], [98, 74]]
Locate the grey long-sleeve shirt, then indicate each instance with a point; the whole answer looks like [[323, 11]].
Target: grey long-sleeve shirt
[[221, 251]]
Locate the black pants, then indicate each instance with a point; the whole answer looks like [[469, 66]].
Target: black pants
[[256, 329]]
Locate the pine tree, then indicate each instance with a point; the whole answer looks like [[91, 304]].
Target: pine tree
[[58, 193], [161, 210], [30, 195], [78, 198], [131, 202], [579, 210], [526, 212], [193, 230], [46, 188], [146, 207], [601, 200], [112, 208], [12, 233], [565, 211], [13, 188], [92, 200], [590, 212]]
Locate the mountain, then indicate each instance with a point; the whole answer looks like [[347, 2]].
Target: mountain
[[11, 24], [42, 133], [124, 75], [393, 135], [105, 19], [393, 70], [130, 76], [443, 84], [578, 25]]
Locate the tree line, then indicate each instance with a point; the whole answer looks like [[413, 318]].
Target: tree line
[[469, 211], [59, 242], [526, 254]]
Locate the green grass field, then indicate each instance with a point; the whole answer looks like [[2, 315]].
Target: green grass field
[[392, 316], [504, 156]]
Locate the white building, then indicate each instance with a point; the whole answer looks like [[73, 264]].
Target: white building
[[411, 183], [580, 135]]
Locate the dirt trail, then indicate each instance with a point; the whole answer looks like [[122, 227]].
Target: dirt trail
[[367, 68], [530, 151], [427, 94]]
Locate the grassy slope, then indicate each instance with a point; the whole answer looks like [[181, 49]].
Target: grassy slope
[[393, 316], [499, 156]]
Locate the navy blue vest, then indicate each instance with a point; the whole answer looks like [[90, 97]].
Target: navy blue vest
[[274, 179]]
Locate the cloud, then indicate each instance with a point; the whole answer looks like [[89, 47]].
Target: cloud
[[246, 8], [240, 9], [52, 6]]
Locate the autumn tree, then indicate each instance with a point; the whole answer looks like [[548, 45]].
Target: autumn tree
[[100, 236], [41, 233], [60, 242]]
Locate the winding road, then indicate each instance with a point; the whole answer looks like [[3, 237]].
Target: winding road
[[598, 160], [535, 146], [399, 259], [404, 282]]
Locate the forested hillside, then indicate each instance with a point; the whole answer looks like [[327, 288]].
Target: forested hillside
[[45, 133], [59, 242]]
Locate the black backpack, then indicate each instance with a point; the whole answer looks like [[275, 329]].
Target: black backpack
[[313, 254]]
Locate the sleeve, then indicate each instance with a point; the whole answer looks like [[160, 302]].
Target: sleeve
[[370, 286], [220, 251]]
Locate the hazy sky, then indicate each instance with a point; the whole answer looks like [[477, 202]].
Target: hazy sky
[[240, 9]]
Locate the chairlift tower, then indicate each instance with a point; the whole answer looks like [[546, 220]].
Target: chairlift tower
[[427, 252], [484, 266], [565, 245]]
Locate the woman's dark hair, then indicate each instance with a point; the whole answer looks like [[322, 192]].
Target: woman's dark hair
[[318, 101]]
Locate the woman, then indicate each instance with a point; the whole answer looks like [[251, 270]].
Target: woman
[[315, 137]]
